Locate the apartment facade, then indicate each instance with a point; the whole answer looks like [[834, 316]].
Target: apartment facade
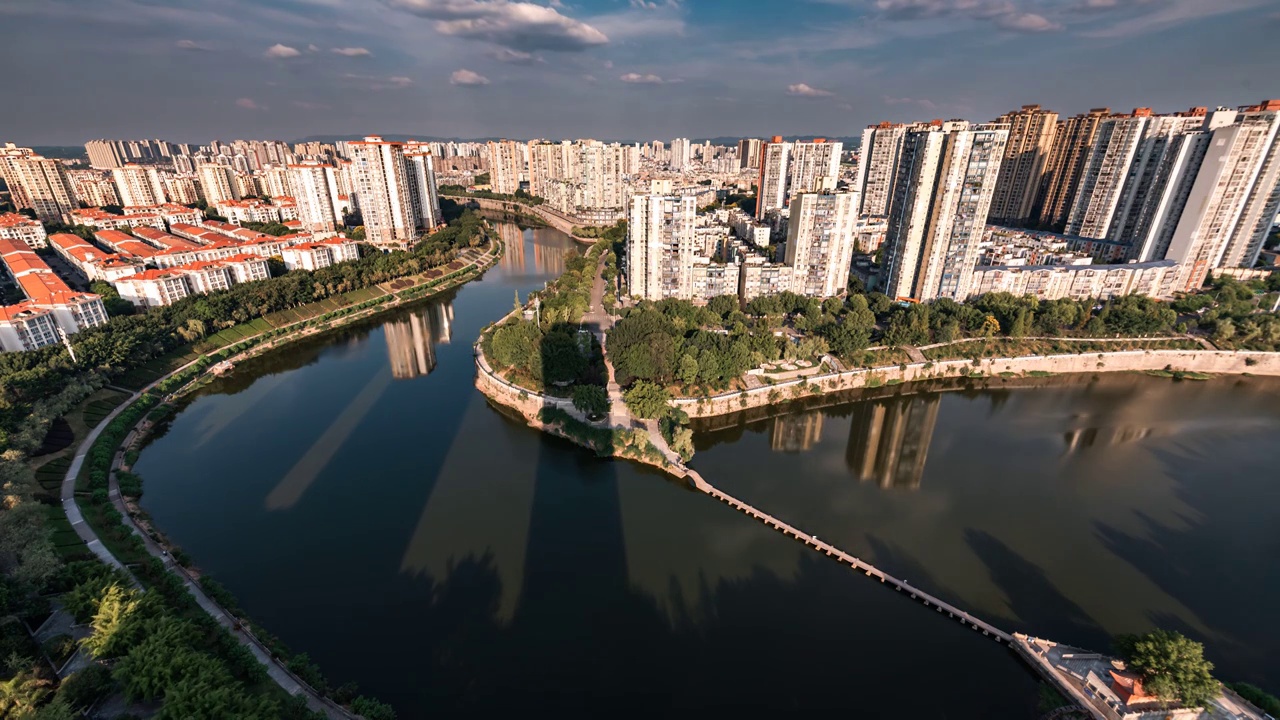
[[37, 182], [1072, 143], [137, 185], [23, 229], [938, 217], [820, 240], [506, 163], [1026, 155], [1106, 168], [877, 167], [380, 179], [771, 187], [661, 246]]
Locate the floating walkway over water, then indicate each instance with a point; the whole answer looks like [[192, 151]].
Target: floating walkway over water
[[952, 611]]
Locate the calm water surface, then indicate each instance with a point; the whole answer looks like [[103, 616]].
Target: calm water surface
[[367, 505]]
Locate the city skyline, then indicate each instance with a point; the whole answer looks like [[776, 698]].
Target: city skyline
[[613, 69]]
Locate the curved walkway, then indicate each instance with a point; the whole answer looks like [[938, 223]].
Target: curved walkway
[[276, 670]]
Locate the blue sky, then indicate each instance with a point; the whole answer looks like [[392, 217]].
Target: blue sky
[[195, 70]]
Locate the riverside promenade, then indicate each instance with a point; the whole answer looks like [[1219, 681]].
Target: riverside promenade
[[275, 668]]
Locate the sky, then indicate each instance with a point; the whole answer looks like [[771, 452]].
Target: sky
[[198, 70]]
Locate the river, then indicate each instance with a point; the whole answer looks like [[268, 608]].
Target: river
[[368, 506]]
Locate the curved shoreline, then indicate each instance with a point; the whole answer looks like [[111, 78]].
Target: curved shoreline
[[237, 626]]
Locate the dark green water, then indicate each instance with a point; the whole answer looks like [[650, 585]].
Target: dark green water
[[367, 505]]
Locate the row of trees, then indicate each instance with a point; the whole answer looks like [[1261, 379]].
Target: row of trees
[[1238, 315], [552, 349], [132, 340], [151, 649]]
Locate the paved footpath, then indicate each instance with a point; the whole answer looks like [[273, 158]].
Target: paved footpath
[[275, 669]]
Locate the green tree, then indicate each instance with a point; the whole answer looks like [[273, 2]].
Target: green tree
[[688, 370], [591, 399], [372, 709], [20, 694], [647, 400], [111, 623], [1171, 665]]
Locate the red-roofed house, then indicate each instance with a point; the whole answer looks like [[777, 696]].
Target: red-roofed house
[[164, 240], [23, 229], [50, 306], [316, 255], [205, 276], [125, 244], [153, 288], [101, 220], [93, 261]]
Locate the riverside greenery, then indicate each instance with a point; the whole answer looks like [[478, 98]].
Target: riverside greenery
[[147, 632]]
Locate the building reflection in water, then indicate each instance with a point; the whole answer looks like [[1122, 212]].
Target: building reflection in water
[[889, 439], [797, 432], [411, 340], [548, 255]]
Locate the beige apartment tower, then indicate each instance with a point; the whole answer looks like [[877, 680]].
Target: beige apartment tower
[[1072, 142], [1031, 132]]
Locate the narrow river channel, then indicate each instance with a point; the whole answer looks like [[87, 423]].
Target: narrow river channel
[[367, 505]]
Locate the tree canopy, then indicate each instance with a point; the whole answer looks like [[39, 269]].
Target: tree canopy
[[1172, 667]]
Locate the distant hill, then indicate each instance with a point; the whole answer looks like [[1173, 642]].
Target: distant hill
[[849, 142], [61, 152]]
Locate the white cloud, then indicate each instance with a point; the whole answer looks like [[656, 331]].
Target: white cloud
[[394, 82], [638, 79], [513, 57], [282, 51], [521, 26], [467, 78], [351, 52], [1173, 12], [803, 90], [248, 104], [1003, 13], [1026, 22], [190, 45], [312, 48]]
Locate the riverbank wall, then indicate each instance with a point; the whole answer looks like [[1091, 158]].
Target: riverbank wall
[[563, 223], [1185, 361]]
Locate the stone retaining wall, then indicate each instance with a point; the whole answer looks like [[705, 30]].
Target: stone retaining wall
[[1200, 361]]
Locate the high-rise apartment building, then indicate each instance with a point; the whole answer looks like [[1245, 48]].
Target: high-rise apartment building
[[506, 163], [937, 219], [661, 246], [138, 186], [1225, 219], [771, 193], [748, 154], [814, 166], [105, 154], [93, 187], [422, 183], [820, 242], [380, 180], [1147, 180], [315, 195], [218, 183], [1102, 178], [1031, 132], [878, 166], [37, 182], [680, 154], [1072, 144]]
